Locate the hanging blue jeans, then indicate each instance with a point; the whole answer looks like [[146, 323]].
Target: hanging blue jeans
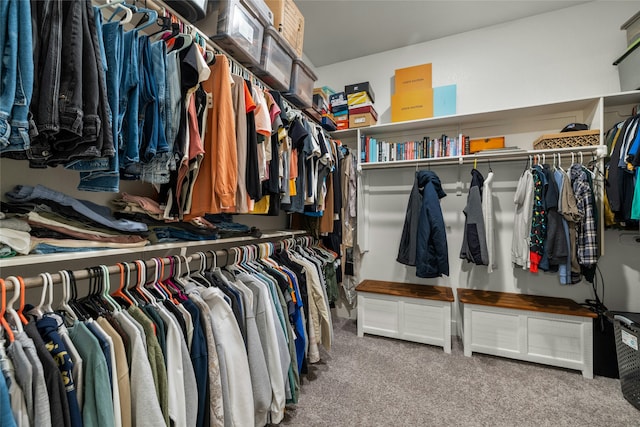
[[108, 179], [153, 138], [16, 74], [156, 170], [129, 100]]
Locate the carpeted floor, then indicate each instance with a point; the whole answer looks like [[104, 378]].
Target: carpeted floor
[[374, 381]]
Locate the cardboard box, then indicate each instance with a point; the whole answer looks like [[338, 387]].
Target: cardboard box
[[359, 98], [339, 108], [414, 105], [360, 87], [340, 114], [289, 21], [324, 91], [413, 78], [337, 98], [479, 144], [342, 124], [328, 124], [362, 110], [361, 120]]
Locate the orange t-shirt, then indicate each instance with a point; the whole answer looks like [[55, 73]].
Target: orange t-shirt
[[215, 187]]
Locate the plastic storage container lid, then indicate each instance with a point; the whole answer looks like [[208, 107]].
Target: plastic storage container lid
[[260, 10], [238, 31]]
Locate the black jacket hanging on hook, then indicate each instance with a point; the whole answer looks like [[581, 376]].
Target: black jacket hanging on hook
[[424, 239], [474, 243]]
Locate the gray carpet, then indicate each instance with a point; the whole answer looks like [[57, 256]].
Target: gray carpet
[[374, 381]]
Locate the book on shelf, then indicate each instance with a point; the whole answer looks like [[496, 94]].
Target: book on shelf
[[374, 150]]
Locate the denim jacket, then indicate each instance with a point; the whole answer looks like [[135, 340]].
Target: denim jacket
[[16, 75]]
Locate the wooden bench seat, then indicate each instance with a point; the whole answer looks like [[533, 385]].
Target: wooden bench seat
[[524, 302], [549, 330], [408, 311]]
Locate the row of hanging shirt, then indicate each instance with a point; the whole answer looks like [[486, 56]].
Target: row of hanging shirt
[[555, 221], [622, 205], [209, 347], [162, 109]]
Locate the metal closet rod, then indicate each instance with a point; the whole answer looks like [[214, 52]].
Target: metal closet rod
[[84, 274]]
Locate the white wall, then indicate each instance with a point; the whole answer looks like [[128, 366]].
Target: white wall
[[554, 56], [551, 57]]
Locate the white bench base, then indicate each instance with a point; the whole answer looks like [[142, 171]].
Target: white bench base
[[554, 339], [411, 319]]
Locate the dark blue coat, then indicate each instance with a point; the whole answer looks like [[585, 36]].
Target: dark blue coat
[[424, 241]]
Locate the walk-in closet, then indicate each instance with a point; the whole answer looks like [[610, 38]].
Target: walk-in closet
[[306, 213]]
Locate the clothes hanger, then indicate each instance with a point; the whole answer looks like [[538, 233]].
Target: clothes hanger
[[174, 281], [128, 12], [93, 302], [13, 314], [185, 280], [246, 260], [159, 282], [121, 291], [560, 162], [149, 18], [197, 276], [3, 308], [187, 40], [106, 288], [22, 296], [235, 266], [79, 308], [168, 285], [138, 288], [48, 307], [165, 24], [64, 304], [109, 3], [37, 310], [152, 285]]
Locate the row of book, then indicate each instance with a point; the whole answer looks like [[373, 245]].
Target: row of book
[[373, 151]]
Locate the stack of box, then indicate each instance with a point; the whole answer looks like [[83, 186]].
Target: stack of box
[[340, 110], [413, 97], [360, 99], [321, 104]]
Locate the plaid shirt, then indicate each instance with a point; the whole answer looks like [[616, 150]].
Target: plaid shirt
[[587, 240]]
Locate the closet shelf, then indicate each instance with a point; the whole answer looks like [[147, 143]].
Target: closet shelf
[[179, 247], [473, 119], [595, 151]]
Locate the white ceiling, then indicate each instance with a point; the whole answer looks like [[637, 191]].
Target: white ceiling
[[339, 30]]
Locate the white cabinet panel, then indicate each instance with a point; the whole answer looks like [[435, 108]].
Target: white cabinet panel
[[381, 315], [554, 339], [494, 331]]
